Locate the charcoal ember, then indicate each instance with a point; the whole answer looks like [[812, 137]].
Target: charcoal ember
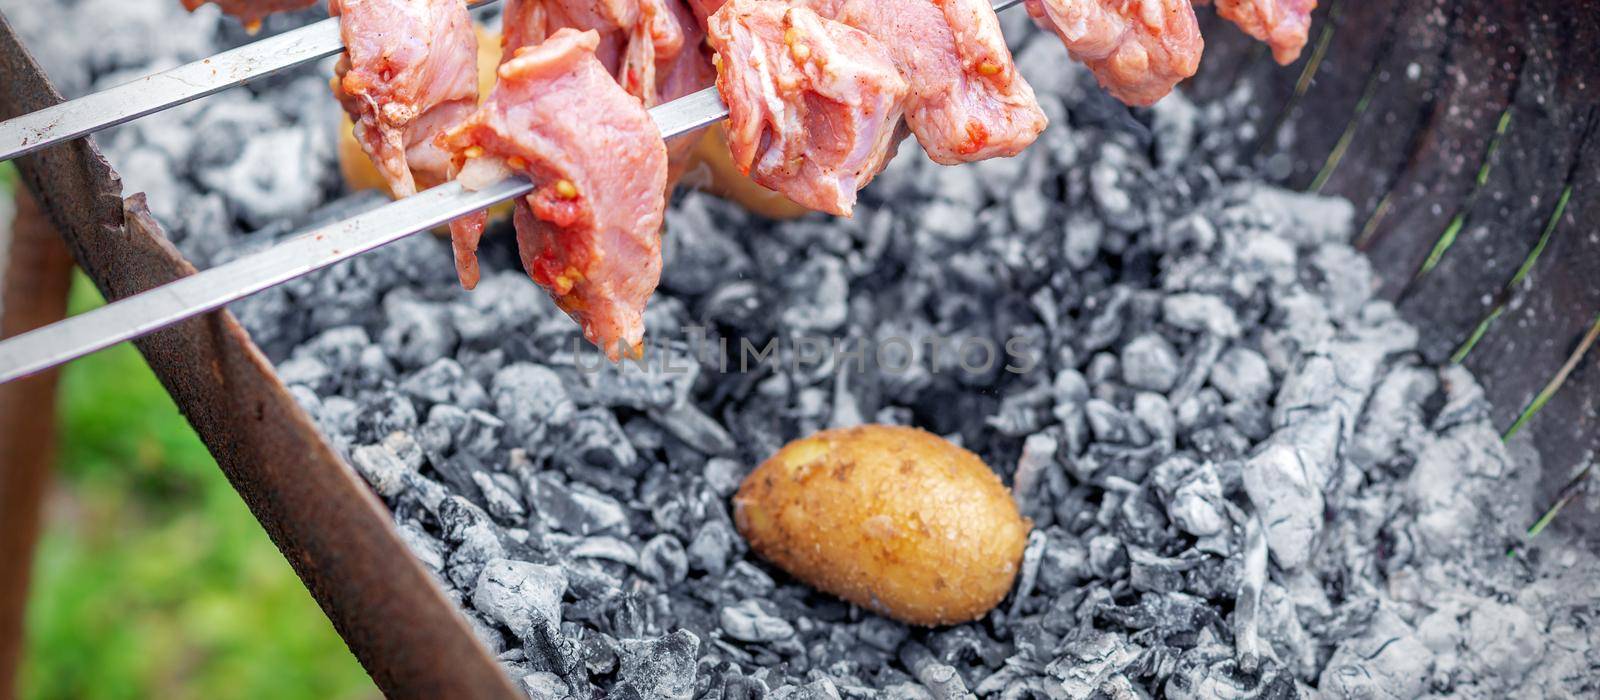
[[383, 413], [1386, 661], [1080, 243], [593, 438], [711, 547], [1107, 557], [591, 583], [487, 633], [695, 429], [450, 429], [1305, 219], [272, 179], [662, 380], [444, 382], [1338, 382], [518, 594], [946, 223], [1241, 374], [306, 371], [1193, 495], [740, 305], [415, 333], [1142, 520], [1149, 571], [427, 548], [818, 295], [572, 508], [548, 650], [1031, 481], [1201, 312], [724, 475], [1393, 423], [820, 689], [500, 498], [942, 681], [502, 302], [600, 654], [382, 468], [1155, 412], [1089, 662], [1150, 362], [532, 401], [1168, 617], [748, 621], [1447, 487], [1209, 671], [1288, 494], [1063, 564], [338, 349], [741, 687], [1113, 425], [696, 253], [543, 685], [662, 667], [1250, 419], [606, 548], [664, 560], [1280, 626]]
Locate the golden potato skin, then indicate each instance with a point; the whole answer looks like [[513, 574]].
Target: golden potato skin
[[897, 520]]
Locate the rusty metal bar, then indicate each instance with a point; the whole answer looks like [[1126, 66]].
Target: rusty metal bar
[[333, 531], [37, 276]]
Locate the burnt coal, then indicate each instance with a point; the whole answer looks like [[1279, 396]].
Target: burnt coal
[[1244, 480]]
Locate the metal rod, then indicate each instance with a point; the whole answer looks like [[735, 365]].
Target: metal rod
[[170, 88], [163, 306], [212, 289]]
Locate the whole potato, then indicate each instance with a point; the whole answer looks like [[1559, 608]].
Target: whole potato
[[896, 520]]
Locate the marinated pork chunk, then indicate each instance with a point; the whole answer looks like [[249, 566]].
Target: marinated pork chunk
[[654, 48], [410, 72], [250, 12], [590, 231], [814, 105], [637, 37], [1283, 24], [967, 101], [1138, 49]]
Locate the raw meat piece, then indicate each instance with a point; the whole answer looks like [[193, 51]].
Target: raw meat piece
[[590, 232], [967, 101], [637, 37], [703, 9], [410, 71], [690, 70], [814, 105], [1283, 24], [1138, 49], [654, 48], [250, 12]]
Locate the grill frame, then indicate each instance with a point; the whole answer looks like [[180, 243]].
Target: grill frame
[[334, 532], [1464, 131]]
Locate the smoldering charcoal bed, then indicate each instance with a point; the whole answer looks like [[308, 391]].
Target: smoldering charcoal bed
[[1183, 336]]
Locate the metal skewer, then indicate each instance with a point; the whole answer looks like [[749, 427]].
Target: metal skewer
[[154, 309], [170, 88], [211, 289]]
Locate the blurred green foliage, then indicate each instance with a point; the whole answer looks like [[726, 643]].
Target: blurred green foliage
[[152, 579]]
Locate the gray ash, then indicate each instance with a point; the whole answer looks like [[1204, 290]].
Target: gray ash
[[1245, 481]]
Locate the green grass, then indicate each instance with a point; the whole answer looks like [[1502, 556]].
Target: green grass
[[152, 579]]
